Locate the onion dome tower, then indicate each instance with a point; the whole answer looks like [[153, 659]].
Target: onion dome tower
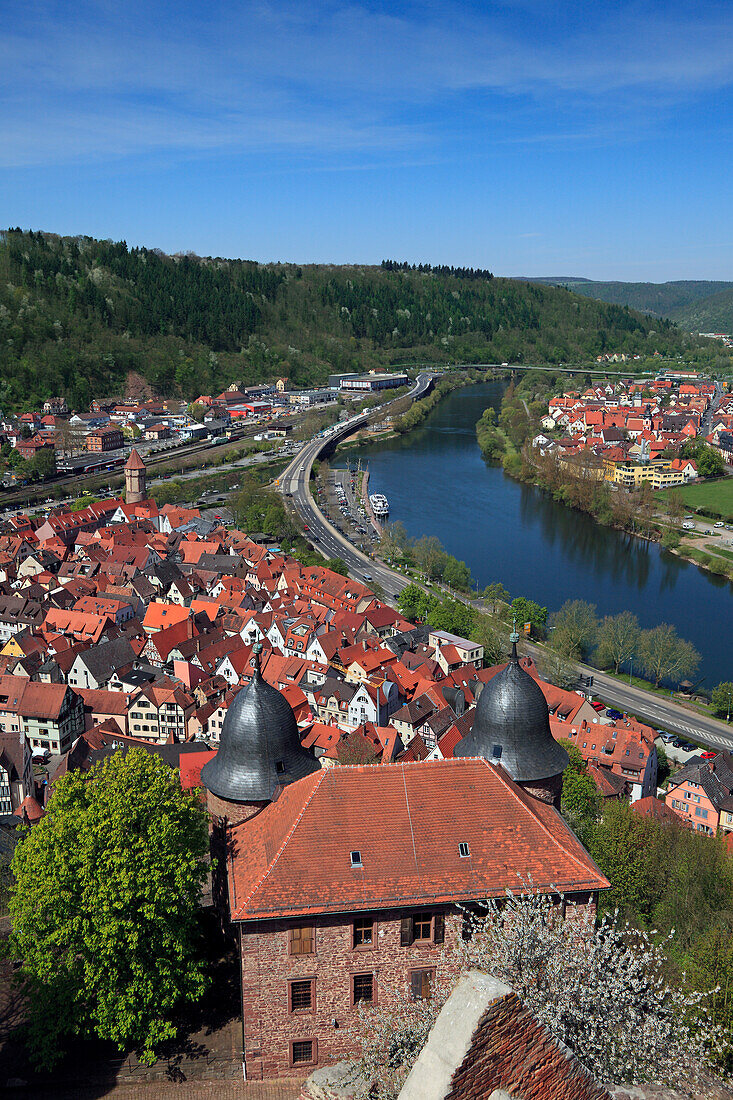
[[135, 488], [259, 752], [512, 728]]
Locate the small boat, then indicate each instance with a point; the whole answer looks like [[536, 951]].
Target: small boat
[[380, 505]]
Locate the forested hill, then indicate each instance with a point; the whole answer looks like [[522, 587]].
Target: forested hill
[[699, 305], [84, 318], [713, 314]]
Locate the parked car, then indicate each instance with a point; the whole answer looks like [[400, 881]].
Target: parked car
[[668, 738], [707, 755], [616, 715], [597, 705], [678, 743], [719, 523]]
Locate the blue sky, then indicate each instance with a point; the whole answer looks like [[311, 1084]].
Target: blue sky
[[526, 136]]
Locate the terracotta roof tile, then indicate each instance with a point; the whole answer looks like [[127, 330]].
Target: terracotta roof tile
[[294, 857]]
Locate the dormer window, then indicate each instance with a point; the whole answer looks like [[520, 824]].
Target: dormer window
[[280, 767], [356, 859], [463, 850]]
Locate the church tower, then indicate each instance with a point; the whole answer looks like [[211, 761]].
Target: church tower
[[135, 488]]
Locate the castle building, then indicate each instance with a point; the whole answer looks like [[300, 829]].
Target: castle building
[[346, 884], [135, 486]]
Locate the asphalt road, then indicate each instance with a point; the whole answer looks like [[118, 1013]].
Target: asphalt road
[[324, 536], [656, 710]]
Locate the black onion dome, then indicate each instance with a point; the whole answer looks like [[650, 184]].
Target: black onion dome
[[259, 748], [511, 727]]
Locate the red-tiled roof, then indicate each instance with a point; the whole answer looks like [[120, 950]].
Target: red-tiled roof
[[294, 857], [134, 462]]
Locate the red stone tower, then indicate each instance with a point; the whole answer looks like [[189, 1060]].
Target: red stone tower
[[135, 488]]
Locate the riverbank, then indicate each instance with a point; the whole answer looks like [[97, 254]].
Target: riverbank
[[577, 482], [438, 483]]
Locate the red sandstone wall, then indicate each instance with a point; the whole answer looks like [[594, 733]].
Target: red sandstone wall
[[267, 967]]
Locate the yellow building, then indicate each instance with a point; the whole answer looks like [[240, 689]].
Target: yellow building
[[631, 475]]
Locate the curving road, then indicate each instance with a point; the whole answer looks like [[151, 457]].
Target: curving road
[[294, 482]]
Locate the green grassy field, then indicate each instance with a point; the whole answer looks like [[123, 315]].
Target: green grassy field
[[716, 495]]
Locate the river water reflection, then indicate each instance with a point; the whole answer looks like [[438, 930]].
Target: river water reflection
[[438, 483]]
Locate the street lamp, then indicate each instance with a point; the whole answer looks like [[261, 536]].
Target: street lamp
[[730, 692], [631, 668]]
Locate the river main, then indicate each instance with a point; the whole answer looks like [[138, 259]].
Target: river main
[[438, 483]]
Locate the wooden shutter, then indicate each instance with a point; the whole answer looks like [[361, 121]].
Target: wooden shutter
[[439, 928], [406, 932], [416, 977]]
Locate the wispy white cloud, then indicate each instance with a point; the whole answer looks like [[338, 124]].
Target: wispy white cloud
[[97, 80]]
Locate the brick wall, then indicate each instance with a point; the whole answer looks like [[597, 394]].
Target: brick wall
[[268, 966]]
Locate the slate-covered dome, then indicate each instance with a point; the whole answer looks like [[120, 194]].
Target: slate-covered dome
[[259, 748], [512, 727]]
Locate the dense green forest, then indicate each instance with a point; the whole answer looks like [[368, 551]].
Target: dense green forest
[[713, 314], [698, 305], [83, 318]]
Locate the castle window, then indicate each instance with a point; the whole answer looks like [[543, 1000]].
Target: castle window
[[302, 995], [363, 935], [304, 1052], [421, 982], [363, 989], [422, 928], [302, 940]]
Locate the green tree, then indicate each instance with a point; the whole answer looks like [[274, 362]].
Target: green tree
[[394, 543], [722, 698], [580, 804], [495, 594], [620, 845], [456, 574], [618, 639], [104, 907], [665, 656], [453, 616], [575, 627], [527, 611], [494, 641], [430, 556], [337, 565], [414, 602], [43, 464]]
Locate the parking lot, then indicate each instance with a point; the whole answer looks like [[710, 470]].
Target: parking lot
[[339, 498]]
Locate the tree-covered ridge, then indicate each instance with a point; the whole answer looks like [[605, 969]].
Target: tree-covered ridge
[[712, 314], [81, 317], [702, 305]]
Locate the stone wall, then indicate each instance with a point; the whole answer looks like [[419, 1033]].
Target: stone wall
[[268, 966]]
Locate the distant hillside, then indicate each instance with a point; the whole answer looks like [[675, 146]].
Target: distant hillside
[[713, 314], [676, 300], [83, 318]]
